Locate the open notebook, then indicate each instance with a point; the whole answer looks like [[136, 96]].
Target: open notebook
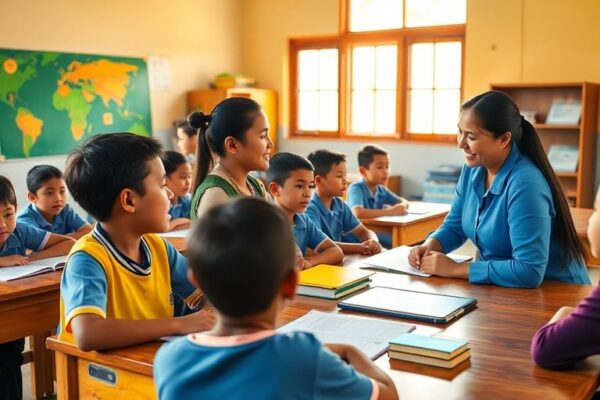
[[396, 260], [32, 268]]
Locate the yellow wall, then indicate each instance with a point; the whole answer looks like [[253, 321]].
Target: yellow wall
[[199, 37]]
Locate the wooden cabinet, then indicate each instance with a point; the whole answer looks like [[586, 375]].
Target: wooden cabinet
[[206, 99], [578, 186]]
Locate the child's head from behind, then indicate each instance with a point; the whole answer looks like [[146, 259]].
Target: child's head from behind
[[47, 189], [187, 137], [179, 173], [291, 181], [330, 172], [8, 209], [374, 164], [242, 256], [121, 174], [237, 129]]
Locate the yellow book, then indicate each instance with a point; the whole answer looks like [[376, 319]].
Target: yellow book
[[332, 277]]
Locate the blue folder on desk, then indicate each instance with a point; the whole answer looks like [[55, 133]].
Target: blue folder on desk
[[430, 307]]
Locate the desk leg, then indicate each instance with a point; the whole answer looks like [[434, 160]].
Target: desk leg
[[396, 239], [42, 375], [66, 377]]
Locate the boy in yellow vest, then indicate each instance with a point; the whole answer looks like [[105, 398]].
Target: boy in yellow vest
[[121, 284]]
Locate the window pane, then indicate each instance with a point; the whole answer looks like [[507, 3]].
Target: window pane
[[385, 76], [446, 107], [373, 15], [328, 110], [308, 69], [362, 111], [421, 65], [435, 12], [363, 67], [385, 111], [448, 65], [328, 69], [421, 111], [308, 102]]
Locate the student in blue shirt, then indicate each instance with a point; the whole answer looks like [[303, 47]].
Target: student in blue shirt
[[329, 212], [247, 280], [291, 181], [179, 182], [48, 209], [369, 197], [508, 202], [15, 239]]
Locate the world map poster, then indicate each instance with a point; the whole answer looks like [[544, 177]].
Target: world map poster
[[51, 102]]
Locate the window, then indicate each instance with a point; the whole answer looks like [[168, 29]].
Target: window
[[395, 71]]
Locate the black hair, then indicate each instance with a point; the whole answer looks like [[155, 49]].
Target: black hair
[[325, 160], [173, 160], [366, 154], [7, 192], [240, 253], [231, 117], [105, 165], [40, 174], [283, 164], [498, 113], [185, 127]]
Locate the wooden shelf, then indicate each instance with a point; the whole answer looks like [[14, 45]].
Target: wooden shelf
[[538, 98], [557, 127]]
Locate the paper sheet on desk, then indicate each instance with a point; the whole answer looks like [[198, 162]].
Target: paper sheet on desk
[[182, 233], [396, 260], [370, 335]]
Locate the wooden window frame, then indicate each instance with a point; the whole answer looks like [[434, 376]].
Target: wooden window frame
[[344, 42]]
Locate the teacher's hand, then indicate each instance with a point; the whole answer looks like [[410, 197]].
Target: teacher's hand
[[418, 252], [439, 264]]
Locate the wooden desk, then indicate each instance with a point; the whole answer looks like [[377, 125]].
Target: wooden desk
[[30, 307], [581, 217], [499, 332], [411, 228]]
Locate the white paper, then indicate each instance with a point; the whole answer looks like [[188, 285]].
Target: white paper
[[396, 260], [369, 335], [159, 73], [182, 233], [419, 208]]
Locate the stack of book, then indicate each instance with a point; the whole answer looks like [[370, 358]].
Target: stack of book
[[429, 350], [331, 282]]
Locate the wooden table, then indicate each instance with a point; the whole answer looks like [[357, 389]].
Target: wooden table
[[30, 307], [581, 217], [499, 331], [411, 228]]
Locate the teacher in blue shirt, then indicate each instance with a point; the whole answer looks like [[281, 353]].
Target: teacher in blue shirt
[[508, 202]]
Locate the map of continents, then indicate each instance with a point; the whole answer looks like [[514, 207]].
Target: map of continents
[[51, 102]]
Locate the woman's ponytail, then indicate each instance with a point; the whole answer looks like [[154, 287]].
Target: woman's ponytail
[[204, 161]]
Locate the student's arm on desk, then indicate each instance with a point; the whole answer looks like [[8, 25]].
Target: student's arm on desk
[[369, 243], [179, 223], [362, 364], [85, 229], [364, 213], [57, 245], [92, 332], [327, 253]]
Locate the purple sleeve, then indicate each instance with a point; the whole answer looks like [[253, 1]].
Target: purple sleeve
[[571, 339]]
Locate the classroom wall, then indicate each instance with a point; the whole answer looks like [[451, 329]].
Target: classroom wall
[[506, 41], [201, 38]]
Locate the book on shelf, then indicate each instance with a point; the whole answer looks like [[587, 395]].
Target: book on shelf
[[565, 112], [331, 282], [563, 158], [32, 268]]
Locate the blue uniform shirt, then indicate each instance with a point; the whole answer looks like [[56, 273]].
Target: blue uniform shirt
[[25, 237], [335, 223], [262, 365], [511, 224], [182, 208], [67, 221], [306, 233], [359, 194]]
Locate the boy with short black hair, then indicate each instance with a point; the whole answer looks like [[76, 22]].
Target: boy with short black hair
[[179, 182], [291, 181], [16, 238], [242, 257], [49, 209], [120, 280], [329, 212]]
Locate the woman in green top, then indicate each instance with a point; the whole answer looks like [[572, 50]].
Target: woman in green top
[[236, 133]]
